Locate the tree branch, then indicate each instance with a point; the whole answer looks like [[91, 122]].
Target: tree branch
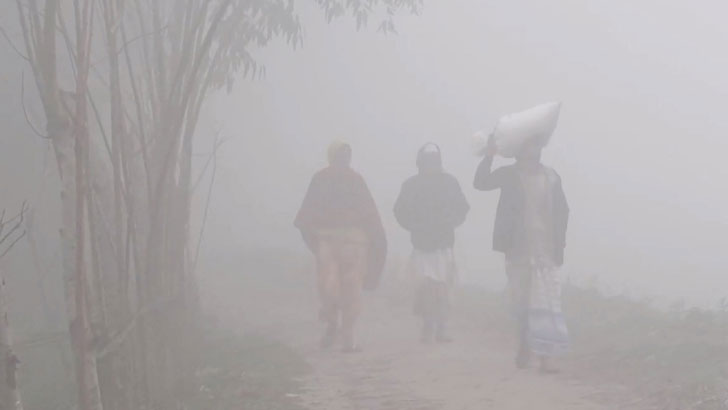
[[25, 111], [18, 224], [216, 146], [12, 45]]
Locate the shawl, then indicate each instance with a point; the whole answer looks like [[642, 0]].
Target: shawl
[[338, 197]]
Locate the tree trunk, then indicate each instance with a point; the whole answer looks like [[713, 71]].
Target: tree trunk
[[9, 394], [89, 395]]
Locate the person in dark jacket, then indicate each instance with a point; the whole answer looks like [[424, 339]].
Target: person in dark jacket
[[340, 224], [430, 206], [530, 229]]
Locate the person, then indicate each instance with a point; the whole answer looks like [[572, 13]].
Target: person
[[340, 224], [430, 206], [530, 229]]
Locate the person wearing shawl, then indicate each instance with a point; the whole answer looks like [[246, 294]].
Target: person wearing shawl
[[430, 206], [530, 229], [340, 224]]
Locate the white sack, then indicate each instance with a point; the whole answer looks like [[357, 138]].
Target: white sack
[[513, 130]]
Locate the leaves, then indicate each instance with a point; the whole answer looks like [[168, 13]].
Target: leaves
[[251, 24], [362, 10]]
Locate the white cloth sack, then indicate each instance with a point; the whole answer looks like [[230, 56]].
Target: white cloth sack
[[513, 130]]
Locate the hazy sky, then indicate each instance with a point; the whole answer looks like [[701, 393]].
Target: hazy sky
[[640, 146]]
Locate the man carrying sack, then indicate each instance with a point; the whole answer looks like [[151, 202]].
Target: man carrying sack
[[530, 229]]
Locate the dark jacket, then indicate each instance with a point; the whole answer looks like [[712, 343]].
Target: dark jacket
[[509, 230], [338, 197], [430, 206]]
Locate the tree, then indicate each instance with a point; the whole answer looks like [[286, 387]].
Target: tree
[[11, 231], [122, 84]]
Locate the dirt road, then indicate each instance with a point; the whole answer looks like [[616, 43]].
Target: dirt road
[[396, 372]]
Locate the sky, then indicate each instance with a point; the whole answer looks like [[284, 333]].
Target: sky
[[640, 145]]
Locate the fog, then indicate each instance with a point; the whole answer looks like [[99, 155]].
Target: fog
[[639, 146]]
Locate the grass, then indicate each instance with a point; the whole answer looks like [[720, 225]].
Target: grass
[[673, 359], [245, 372], [676, 359]]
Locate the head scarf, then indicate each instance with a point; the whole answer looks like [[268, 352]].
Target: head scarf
[[336, 149], [429, 158]]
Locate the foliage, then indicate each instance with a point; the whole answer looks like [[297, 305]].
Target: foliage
[[361, 10], [675, 359], [245, 371], [122, 84], [672, 359]]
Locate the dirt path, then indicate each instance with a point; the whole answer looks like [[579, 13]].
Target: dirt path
[[396, 372]]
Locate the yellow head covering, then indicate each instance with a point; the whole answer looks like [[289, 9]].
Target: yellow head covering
[[335, 148]]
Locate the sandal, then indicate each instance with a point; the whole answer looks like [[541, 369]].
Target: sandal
[[329, 337], [351, 349]]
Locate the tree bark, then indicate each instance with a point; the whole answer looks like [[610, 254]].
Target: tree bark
[[9, 394]]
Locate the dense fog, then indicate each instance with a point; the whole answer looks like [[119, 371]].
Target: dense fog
[[640, 147]]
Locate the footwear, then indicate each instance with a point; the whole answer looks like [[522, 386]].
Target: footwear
[[523, 358], [428, 333], [443, 339], [329, 337], [353, 348], [440, 334], [547, 367]]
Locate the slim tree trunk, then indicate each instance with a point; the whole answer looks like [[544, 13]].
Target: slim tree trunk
[[74, 279], [9, 394], [51, 319], [89, 392]]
